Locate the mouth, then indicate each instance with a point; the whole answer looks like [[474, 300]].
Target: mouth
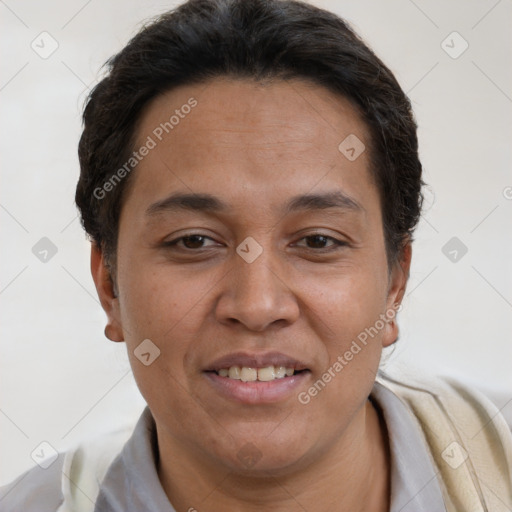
[[257, 378], [265, 374]]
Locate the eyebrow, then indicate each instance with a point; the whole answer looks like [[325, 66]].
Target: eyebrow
[[208, 203], [323, 201]]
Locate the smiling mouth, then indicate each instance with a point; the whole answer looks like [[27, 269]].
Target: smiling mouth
[[265, 374]]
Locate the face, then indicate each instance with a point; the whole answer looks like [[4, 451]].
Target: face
[[249, 240]]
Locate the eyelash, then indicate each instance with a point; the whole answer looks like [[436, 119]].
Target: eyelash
[[336, 244]]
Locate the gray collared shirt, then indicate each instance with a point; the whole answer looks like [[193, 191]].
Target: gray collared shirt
[[131, 483]]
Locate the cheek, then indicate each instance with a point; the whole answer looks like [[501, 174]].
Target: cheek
[[156, 300], [346, 316], [344, 303], [161, 308], [169, 309]]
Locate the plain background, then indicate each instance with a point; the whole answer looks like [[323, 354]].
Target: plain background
[[62, 381]]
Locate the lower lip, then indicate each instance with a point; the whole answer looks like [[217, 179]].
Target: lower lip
[[257, 392]]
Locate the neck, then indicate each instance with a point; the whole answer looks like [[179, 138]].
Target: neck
[[353, 475]]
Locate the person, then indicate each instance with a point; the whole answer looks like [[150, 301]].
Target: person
[[250, 182]]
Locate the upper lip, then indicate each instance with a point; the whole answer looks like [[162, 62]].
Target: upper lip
[[256, 360]]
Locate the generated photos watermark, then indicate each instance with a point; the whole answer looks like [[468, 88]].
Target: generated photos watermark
[[151, 142], [355, 348]]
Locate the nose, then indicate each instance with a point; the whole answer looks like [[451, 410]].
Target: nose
[[257, 295]]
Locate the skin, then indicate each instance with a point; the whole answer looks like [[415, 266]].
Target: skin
[[255, 146]]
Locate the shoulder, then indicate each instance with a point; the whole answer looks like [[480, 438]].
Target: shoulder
[[73, 478], [469, 440], [454, 398], [36, 490]]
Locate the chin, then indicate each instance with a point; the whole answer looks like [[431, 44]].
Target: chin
[[266, 452]]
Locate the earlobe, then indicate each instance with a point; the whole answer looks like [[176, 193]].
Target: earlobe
[[113, 332], [397, 286], [106, 294]]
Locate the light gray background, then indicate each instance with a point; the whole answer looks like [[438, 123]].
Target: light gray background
[[62, 381]]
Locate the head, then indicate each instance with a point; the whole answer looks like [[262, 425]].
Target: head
[[250, 182]]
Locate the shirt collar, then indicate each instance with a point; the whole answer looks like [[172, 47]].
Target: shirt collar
[[414, 483], [131, 483]]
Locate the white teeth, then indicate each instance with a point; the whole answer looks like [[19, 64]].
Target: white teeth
[[247, 374], [267, 373], [234, 372], [280, 372]]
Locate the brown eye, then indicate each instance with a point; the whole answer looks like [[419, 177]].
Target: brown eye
[[320, 243], [317, 241], [193, 241]]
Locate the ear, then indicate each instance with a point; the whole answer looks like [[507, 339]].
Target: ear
[[396, 290], [105, 288]]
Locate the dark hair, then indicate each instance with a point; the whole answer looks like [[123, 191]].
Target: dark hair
[[262, 40]]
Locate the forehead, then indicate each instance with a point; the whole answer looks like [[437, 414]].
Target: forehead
[[244, 140]]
